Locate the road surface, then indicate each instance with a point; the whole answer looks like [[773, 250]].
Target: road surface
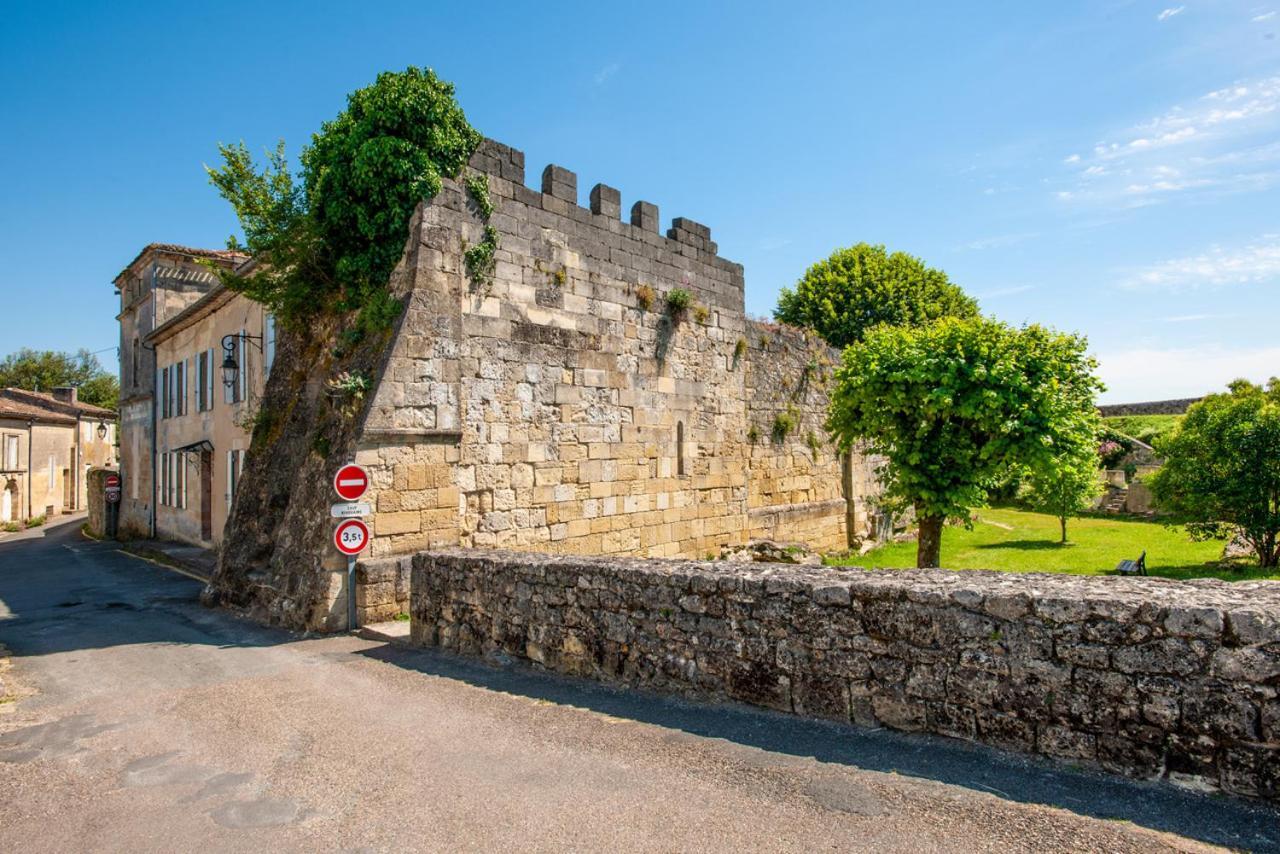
[[146, 722]]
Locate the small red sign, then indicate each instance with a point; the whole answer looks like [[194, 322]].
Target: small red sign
[[351, 537], [112, 481], [351, 482]]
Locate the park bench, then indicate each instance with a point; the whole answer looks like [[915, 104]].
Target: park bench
[[1133, 567]]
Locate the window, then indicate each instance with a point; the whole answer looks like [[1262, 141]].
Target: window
[[202, 380], [163, 466], [268, 342], [164, 393], [235, 460], [180, 387], [134, 352], [180, 463], [680, 448], [11, 453]]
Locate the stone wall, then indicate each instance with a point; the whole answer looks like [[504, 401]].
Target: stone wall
[[562, 407], [1145, 677], [1150, 407]]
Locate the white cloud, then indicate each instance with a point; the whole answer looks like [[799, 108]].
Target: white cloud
[[1005, 292], [603, 75], [1223, 141], [1169, 13], [1000, 240], [1192, 318], [1159, 374], [1265, 16], [1216, 267]]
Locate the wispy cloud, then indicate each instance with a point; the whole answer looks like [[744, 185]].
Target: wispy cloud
[[773, 244], [1006, 292], [1217, 266], [1000, 240], [1223, 141], [1170, 12], [1152, 373], [1193, 318], [1265, 16], [603, 75]]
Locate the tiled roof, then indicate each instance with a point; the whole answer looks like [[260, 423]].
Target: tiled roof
[[38, 406], [229, 255]]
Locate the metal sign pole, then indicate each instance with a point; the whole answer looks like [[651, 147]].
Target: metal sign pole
[[351, 593]]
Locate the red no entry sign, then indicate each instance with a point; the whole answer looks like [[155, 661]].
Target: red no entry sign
[[112, 481], [350, 482], [351, 537]]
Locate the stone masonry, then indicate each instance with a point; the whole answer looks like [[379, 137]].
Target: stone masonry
[[557, 405], [562, 407], [1144, 677]]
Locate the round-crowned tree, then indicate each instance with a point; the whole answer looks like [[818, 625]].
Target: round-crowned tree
[[1220, 470], [956, 405], [864, 286]]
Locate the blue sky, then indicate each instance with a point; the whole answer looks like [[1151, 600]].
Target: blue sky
[[1106, 167]]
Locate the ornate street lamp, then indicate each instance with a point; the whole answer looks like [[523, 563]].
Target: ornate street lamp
[[102, 429], [230, 367]]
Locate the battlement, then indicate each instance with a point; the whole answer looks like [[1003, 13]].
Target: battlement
[[507, 163]]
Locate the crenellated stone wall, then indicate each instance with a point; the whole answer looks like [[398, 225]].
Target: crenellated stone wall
[[1145, 677], [562, 406]]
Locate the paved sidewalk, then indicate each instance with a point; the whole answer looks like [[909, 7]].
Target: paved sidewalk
[[193, 560]]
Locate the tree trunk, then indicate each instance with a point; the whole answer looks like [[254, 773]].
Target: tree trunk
[[1266, 549], [1062, 520], [929, 542]]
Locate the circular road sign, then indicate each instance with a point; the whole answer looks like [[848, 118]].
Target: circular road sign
[[350, 482], [111, 481], [351, 537]]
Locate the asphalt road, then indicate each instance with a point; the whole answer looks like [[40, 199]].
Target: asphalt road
[[146, 722]]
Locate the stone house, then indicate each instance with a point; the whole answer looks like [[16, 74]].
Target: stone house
[[203, 422], [161, 283], [558, 403], [47, 444]]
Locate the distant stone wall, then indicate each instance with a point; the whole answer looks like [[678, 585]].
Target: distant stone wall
[[1150, 407], [1145, 677]]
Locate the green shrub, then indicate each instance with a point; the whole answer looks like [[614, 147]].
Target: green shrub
[[783, 424], [701, 314], [740, 349], [678, 301], [35, 521], [11, 527]]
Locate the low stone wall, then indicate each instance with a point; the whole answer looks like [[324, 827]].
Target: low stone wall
[[1149, 407], [1145, 677], [382, 589]]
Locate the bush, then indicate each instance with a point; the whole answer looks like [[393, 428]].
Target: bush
[[35, 521], [678, 300], [11, 527], [644, 297]]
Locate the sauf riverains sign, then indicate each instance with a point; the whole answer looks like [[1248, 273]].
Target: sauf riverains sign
[[351, 536]]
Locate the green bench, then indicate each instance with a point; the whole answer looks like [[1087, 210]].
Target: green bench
[[1133, 567]]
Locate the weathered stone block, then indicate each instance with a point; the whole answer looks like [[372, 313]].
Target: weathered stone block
[[644, 215], [606, 201], [560, 183]]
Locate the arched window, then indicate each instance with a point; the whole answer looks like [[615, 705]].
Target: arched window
[[680, 448]]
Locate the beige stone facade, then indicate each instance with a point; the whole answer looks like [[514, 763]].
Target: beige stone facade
[[160, 283], [562, 406], [203, 425], [47, 444]]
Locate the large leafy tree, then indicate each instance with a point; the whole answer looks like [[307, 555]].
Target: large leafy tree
[[864, 286], [332, 236], [1222, 467], [41, 370], [1066, 485], [956, 405]]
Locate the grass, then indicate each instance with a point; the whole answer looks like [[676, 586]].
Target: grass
[[1144, 428], [1012, 540]]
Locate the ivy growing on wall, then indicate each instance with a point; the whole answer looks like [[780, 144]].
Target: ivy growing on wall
[[328, 239]]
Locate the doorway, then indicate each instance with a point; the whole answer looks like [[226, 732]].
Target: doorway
[[206, 496], [6, 504]]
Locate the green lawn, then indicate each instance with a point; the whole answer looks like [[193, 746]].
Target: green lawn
[[1020, 541]]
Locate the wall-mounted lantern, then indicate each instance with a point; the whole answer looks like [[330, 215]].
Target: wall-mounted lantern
[[230, 367], [102, 429]]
